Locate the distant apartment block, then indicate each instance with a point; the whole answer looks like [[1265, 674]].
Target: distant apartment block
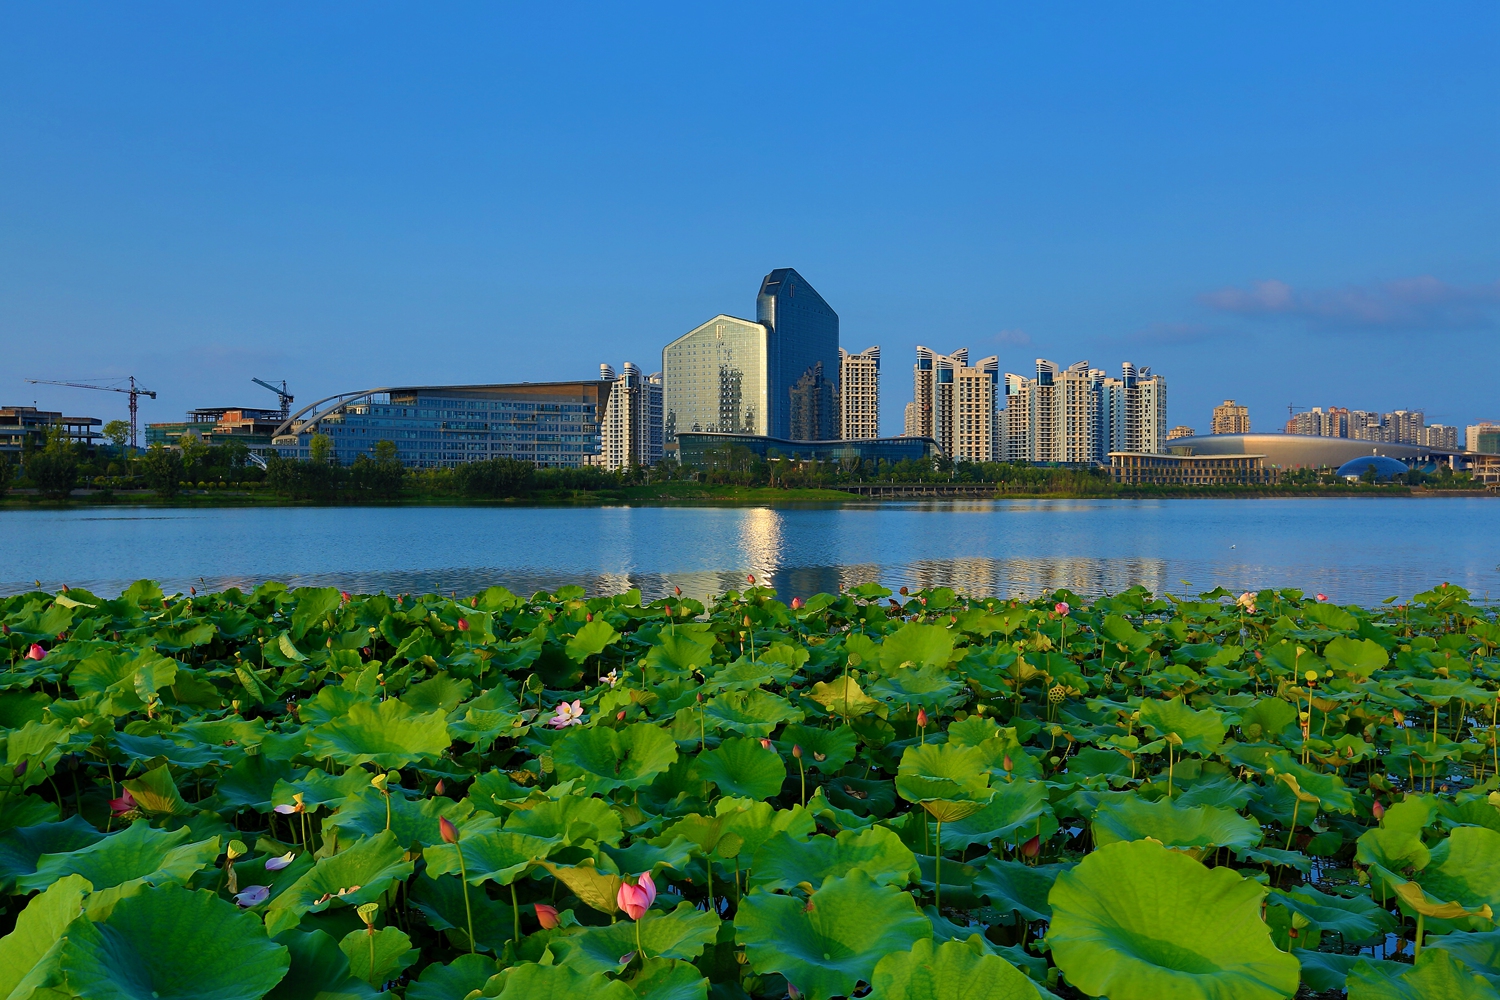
[[1440, 436], [1181, 431], [1230, 418], [909, 423], [1395, 427], [859, 394], [1079, 415], [1483, 437], [631, 429]]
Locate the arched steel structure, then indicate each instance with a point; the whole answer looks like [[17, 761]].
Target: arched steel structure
[[294, 424]]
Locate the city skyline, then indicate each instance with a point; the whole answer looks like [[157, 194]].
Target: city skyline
[[201, 197]]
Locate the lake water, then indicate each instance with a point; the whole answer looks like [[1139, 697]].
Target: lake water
[[1355, 550]]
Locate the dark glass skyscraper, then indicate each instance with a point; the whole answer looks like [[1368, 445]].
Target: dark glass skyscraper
[[803, 358]]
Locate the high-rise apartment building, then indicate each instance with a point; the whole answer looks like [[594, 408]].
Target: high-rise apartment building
[[803, 357], [1483, 437], [1181, 431], [931, 369], [1440, 436], [776, 376], [1396, 427], [909, 423], [965, 412], [631, 429], [1230, 418], [859, 394], [1079, 415]]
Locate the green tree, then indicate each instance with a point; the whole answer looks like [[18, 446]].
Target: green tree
[[381, 478], [193, 450], [117, 432], [54, 469], [385, 451], [320, 448], [6, 472], [162, 469], [302, 480], [495, 478]]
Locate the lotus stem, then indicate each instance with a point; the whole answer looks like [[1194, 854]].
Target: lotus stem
[[640, 949], [1292, 830], [515, 909], [1421, 922], [370, 936], [463, 880], [938, 871]]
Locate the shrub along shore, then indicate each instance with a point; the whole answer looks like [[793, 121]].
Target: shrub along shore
[[292, 793]]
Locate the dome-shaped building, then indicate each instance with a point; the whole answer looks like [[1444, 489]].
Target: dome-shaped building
[[1385, 468]]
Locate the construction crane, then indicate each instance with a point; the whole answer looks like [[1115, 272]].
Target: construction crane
[[281, 393], [134, 391]]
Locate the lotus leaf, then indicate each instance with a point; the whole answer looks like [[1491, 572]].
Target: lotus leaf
[[669, 979], [23, 847], [1017, 887], [681, 934], [605, 758], [573, 819], [1017, 810], [173, 943], [1200, 732], [833, 941], [489, 855], [31, 952], [916, 645], [390, 734], [460, 977], [949, 781], [137, 854], [319, 971], [360, 874], [591, 639], [1360, 657], [826, 750], [1137, 921], [782, 862], [1202, 827], [749, 713], [392, 953], [948, 971], [1435, 974], [441, 901], [741, 766], [549, 982], [843, 697]]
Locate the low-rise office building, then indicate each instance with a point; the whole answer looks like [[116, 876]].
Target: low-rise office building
[[1142, 468], [703, 450], [25, 427], [550, 424], [247, 425]]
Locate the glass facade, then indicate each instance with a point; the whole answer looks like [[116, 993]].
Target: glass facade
[[716, 379], [803, 357], [551, 424], [703, 450]]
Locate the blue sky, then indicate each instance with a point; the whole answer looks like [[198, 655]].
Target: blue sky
[[1283, 203]]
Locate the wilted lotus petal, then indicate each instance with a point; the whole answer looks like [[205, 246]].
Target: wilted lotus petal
[[276, 864], [253, 895]]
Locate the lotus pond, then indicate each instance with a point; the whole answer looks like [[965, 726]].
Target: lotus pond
[[303, 794]]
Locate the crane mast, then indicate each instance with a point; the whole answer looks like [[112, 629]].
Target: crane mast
[[134, 392]]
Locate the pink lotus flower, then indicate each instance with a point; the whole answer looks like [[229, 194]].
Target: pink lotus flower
[[796, 604], [567, 715], [1246, 601], [253, 895], [546, 916], [1322, 597], [1062, 608], [636, 899], [344, 596], [36, 652], [124, 805], [463, 625], [276, 864]]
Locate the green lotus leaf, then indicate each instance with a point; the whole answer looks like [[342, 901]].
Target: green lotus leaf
[[591, 639], [916, 645], [441, 693], [749, 713], [1465, 868], [1136, 921], [148, 748], [313, 605], [1267, 718], [1436, 974], [23, 847], [594, 887], [319, 788], [683, 933], [679, 652], [843, 697], [156, 793], [741, 766], [390, 734], [1333, 795], [1012, 886], [319, 971], [826, 750], [441, 901], [943, 777], [550, 982], [1201, 732], [1134, 818], [1479, 950], [605, 758], [137, 854], [392, 954], [360, 874], [248, 783], [930, 687], [573, 819], [1015, 808], [949, 971], [1324, 971], [453, 981], [413, 821], [782, 862], [829, 944], [30, 954], [1356, 918], [1360, 657], [489, 855], [172, 943], [744, 674], [668, 979]]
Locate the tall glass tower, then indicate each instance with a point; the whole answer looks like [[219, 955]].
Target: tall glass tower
[[802, 358]]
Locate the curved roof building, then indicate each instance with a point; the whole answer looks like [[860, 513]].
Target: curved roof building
[[1302, 451], [1385, 468]]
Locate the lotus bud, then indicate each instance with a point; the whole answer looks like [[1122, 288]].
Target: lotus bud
[[796, 751], [36, 652], [765, 743], [1006, 763], [440, 788], [546, 916], [463, 625], [751, 578], [668, 610], [796, 604], [1399, 716], [122, 805], [1031, 848], [589, 617], [904, 591], [1322, 597], [448, 831], [1061, 607], [699, 696], [747, 621], [20, 769], [1379, 811], [922, 717], [636, 899], [677, 591], [620, 715], [344, 597]]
